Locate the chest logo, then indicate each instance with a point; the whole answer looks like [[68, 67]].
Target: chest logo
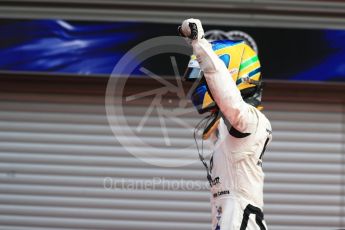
[[215, 181]]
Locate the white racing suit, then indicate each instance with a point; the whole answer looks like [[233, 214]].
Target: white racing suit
[[236, 165]]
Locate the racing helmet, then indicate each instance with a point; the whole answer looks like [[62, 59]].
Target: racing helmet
[[244, 66]]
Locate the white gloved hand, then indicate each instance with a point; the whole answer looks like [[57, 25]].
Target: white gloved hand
[[192, 29]]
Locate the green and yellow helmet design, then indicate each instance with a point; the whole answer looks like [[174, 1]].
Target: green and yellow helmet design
[[244, 66]]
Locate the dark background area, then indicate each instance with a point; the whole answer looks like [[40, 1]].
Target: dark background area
[[94, 48]]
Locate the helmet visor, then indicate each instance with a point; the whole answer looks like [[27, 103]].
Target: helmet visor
[[193, 72]]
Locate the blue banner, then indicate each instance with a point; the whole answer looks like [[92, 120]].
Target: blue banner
[[63, 47], [94, 48]]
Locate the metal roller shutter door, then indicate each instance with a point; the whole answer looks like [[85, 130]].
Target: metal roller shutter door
[[267, 13], [56, 151]]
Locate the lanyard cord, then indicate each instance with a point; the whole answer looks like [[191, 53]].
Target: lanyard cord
[[205, 120]]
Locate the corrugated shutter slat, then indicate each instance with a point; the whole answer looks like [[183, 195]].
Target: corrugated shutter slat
[[56, 158]]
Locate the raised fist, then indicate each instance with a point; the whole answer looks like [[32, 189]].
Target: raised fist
[[192, 29]]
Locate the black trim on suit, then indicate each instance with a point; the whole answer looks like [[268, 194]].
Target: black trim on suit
[[259, 217]]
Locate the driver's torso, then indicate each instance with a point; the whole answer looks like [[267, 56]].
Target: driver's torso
[[236, 171]]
